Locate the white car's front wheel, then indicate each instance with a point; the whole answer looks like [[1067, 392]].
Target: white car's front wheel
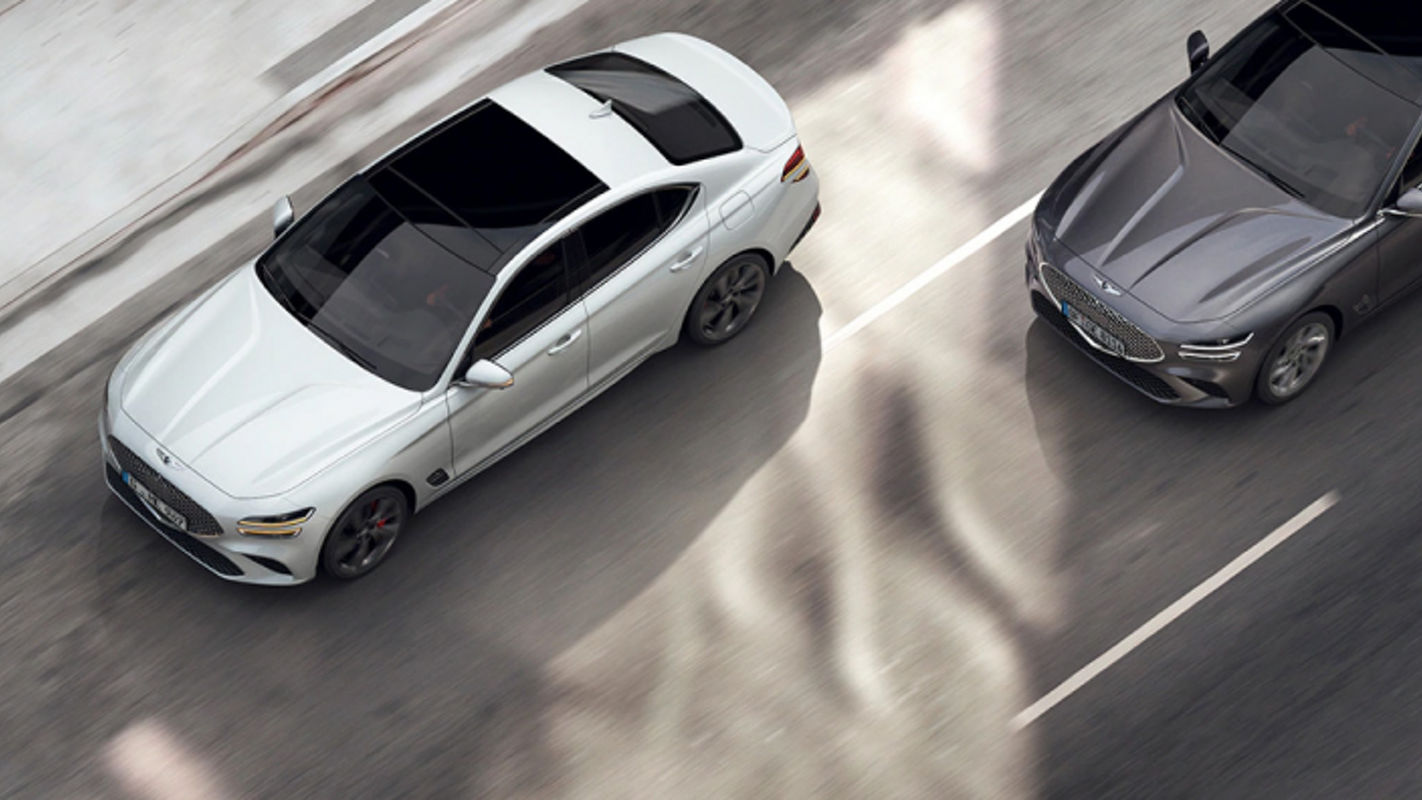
[[364, 533]]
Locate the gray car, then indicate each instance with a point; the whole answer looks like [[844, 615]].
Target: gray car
[[1215, 247]]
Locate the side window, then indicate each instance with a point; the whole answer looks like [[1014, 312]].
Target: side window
[[534, 296], [671, 202], [619, 234]]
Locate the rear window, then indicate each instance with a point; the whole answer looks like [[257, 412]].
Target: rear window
[[674, 117]]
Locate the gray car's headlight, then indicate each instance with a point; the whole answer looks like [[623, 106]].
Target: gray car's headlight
[[1216, 350], [278, 525]]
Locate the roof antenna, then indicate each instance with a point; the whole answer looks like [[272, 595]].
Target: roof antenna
[[602, 110]]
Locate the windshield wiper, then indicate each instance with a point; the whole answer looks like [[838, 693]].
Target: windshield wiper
[[344, 348], [1193, 115], [1267, 175]]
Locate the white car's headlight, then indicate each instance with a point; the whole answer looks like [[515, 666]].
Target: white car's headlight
[[110, 408], [278, 525]]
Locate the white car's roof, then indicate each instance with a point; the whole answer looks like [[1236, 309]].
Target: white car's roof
[[610, 148]]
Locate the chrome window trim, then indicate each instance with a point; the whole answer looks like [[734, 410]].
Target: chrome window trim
[[676, 223]]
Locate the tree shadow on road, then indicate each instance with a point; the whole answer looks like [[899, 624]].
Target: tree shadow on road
[[426, 676]]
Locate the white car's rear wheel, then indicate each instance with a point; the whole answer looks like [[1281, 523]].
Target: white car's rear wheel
[[727, 301], [364, 533]]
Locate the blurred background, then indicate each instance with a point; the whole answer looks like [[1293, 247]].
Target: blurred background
[[817, 562]]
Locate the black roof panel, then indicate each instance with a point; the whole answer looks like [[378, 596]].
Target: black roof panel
[[490, 173]]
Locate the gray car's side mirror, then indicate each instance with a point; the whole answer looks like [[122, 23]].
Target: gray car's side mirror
[[1198, 48], [1410, 203], [485, 374], [282, 216]]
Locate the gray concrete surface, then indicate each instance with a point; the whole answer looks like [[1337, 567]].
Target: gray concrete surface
[[772, 570], [116, 107], [377, 87]]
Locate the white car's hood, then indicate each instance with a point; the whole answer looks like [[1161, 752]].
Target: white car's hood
[[239, 391]]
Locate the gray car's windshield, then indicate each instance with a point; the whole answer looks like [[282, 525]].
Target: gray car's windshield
[[372, 283], [1307, 114]]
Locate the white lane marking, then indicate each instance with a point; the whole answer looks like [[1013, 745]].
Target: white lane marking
[[938, 270], [1175, 610]]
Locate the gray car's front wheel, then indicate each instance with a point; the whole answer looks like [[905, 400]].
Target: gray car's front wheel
[[1295, 360], [727, 301], [365, 532]]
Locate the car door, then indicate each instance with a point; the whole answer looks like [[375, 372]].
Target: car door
[[535, 332], [1400, 239], [642, 261]]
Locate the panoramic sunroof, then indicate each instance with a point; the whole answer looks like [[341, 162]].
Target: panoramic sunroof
[[494, 174]]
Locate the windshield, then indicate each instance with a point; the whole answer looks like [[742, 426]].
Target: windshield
[[374, 285], [1302, 115]]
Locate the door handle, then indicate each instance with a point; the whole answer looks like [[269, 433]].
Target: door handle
[[685, 260], [565, 342]]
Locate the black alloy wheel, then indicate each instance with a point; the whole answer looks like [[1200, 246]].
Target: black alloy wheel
[[364, 533], [727, 301]]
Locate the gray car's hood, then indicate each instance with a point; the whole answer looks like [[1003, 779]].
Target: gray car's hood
[[1169, 217]]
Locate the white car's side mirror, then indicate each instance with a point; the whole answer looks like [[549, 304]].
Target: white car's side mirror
[[282, 216], [485, 374]]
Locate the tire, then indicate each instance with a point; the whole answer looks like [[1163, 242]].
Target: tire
[[726, 302], [371, 522], [1295, 359]]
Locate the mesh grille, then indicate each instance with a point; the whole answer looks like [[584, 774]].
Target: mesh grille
[[193, 546], [1139, 344], [1143, 380], [199, 521]]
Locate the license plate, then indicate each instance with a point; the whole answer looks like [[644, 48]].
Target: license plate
[[1097, 333], [167, 512]]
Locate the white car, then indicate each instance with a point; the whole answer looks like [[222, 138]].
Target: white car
[[452, 301]]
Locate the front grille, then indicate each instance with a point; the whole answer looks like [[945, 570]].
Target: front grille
[[1140, 346], [199, 521], [194, 547], [1142, 379]]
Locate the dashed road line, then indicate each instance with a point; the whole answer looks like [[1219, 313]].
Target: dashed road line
[[968, 249], [1175, 610]]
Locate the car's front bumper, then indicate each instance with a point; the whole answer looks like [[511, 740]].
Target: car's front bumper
[[1170, 381], [227, 554]]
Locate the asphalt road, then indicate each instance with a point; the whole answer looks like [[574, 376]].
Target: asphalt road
[[778, 569]]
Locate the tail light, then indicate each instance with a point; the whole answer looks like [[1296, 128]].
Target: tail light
[[797, 168]]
